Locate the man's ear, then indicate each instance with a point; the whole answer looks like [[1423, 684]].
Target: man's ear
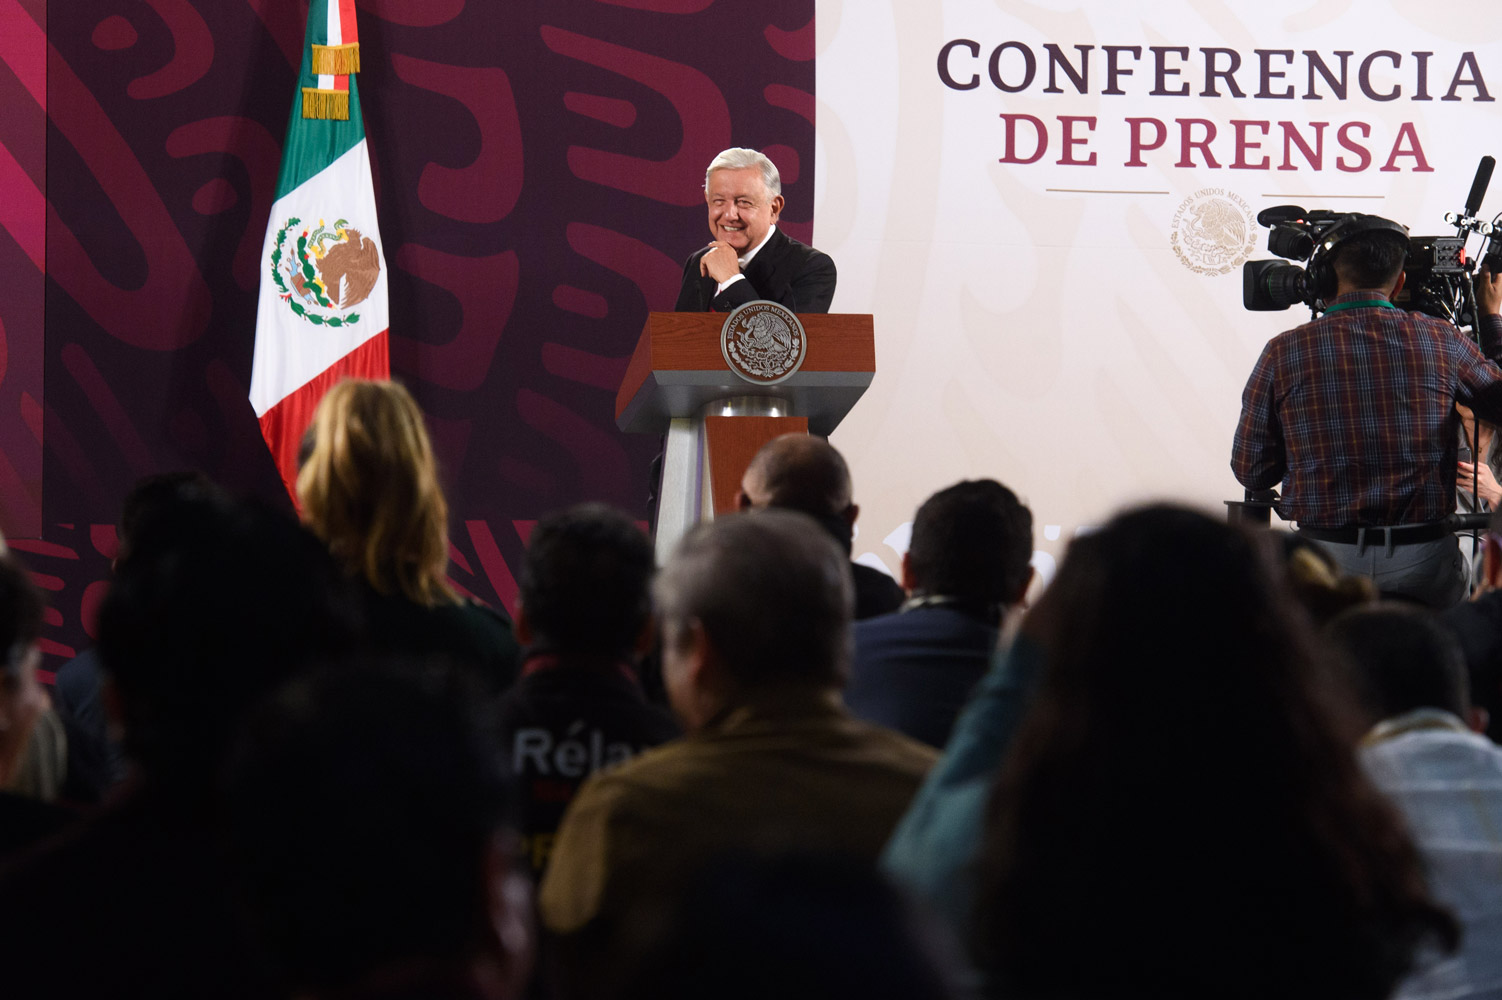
[[1402, 278], [909, 584], [699, 654], [521, 626], [696, 683], [1477, 719], [851, 513]]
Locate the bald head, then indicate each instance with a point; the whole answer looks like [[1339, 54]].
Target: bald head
[[799, 472]]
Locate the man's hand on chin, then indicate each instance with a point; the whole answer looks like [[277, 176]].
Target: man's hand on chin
[[720, 262]]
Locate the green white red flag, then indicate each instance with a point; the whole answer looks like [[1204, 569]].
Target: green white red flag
[[323, 311]]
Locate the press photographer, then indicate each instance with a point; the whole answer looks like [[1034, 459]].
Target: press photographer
[[1353, 413]]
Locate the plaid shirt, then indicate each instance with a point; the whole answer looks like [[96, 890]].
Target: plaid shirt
[[1354, 413]]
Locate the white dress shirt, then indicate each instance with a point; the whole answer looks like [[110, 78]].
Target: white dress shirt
[[745, 262]]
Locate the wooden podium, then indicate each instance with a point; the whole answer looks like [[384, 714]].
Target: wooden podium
[[679, 384]]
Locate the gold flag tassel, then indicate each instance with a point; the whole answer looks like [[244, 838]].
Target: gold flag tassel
[[336, 60], [318, 103]]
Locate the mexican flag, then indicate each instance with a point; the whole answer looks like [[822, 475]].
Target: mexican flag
[[322, 314]]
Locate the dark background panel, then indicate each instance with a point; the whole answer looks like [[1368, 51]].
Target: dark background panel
[[537, 168]]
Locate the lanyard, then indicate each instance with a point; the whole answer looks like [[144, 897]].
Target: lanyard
[[1363, 304]]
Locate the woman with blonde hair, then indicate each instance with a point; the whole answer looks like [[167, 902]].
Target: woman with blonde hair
[[368, 486]]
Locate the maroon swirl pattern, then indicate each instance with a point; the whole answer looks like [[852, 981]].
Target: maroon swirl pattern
[[538, 170]]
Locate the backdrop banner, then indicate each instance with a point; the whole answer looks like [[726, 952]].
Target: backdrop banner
[[537, 172], [1047, 207]]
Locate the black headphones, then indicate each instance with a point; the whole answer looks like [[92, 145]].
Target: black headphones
[[1322, 260]]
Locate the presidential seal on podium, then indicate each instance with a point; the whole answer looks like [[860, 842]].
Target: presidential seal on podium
[[763, 342]]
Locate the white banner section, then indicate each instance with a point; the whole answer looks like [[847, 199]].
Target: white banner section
[[1047, 206]]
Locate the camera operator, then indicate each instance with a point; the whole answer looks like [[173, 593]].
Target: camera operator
[[1354, 414]]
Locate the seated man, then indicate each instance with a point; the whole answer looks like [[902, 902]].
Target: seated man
[[805, 473], [369, 834], [748, 257], [586, 619], [755, 613], [967, 566], [96, 761], [1424, 752], [213, 607]]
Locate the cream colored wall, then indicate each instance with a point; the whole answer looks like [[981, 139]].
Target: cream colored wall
[[1054, 340]]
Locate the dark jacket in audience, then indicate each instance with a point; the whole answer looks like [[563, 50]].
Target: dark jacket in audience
[[25, 821], [875, 592], [96, 763], [469, 634], [132, 904], [914, 670], [562, 722], [969, 562], [367, 816], [216, 605]]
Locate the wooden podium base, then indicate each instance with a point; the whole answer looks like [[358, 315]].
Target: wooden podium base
[[705, 458]]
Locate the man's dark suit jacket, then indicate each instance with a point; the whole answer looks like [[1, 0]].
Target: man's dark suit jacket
[[598, 706], [913, 671], [875, 592], [785, 271]]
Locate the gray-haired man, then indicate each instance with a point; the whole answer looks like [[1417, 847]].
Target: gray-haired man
[[748, 257]]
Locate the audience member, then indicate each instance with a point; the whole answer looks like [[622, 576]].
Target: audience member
[[1477, 625], [805, 473], [214, 606], [96, 761], [1315, 580], [1182, 806], [755, 617], [968, 564], [368, 815], [586, 619], [1160, 756], [1424, 752], [32, 746], [796, 927], [369, 488]]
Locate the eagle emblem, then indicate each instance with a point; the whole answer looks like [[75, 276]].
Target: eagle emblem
[[322, 272], [763, 342]]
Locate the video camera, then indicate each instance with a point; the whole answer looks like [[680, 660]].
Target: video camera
[[1437, 271]]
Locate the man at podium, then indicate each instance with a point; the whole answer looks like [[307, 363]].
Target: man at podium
[[749, 257]]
